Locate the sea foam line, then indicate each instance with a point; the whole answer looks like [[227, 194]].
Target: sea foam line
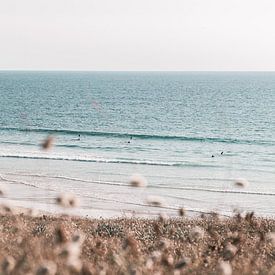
[[243, 192], [100, 160], [215, 190]]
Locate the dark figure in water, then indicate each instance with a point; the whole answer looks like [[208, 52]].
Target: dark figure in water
[[222, 153], [212, 156], [78, 137], [129, 141]]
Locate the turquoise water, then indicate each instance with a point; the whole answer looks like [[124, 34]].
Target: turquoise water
[[165, 126]]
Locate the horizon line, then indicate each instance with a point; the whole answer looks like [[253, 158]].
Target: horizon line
[[113, 71]]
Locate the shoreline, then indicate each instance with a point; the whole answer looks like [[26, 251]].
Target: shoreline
[[74, 245], [104, 190]]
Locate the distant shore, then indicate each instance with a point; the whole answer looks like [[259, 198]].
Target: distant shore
[[48, 244]]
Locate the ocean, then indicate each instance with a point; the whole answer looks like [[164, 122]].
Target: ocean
[[191, 134]]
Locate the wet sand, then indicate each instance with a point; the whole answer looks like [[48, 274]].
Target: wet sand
[[104, 191], [50, 244]]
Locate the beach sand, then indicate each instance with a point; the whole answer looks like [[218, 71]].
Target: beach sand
[[50, 244]]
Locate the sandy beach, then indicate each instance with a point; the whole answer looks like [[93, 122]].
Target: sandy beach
[[50, 244]]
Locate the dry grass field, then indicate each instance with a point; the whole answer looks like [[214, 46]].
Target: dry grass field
[[46, 244]]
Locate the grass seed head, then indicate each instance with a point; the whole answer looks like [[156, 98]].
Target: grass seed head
[[7, 265], [47, 268], [163, 217], [78, 238], [156, 201], [167, 260], [229, 251], [47, 143], [224, 268], [182, 212], [6, 209], [32, 212], [149, 264], [185, 261], [156, 255], [196, 233], [164, 243], [61, 235], [241, 182], [3, 191], [137, 180], [271, 238], [67, 200]]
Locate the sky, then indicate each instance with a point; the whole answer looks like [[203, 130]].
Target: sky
[[137, 35]]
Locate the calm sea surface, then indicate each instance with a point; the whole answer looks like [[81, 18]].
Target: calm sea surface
[[165, 126]]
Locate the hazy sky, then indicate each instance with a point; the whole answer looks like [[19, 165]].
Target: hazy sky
[[137, 34]]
